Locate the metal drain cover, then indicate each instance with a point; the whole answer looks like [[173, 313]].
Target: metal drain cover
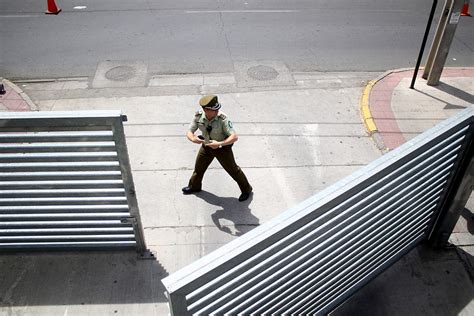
[[262, 73], [121, 73]]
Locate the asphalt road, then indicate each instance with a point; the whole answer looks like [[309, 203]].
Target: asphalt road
[[176, 37]]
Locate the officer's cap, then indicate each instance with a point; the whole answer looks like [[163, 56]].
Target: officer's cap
[[210, 102]]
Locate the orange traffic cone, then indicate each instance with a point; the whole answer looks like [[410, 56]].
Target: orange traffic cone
[[465, 9], [52, 8]]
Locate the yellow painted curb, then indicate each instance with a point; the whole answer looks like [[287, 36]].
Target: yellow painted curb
[[365, 110]]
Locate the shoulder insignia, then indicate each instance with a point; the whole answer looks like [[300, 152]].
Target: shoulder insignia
[[198, 113], [222, 116]]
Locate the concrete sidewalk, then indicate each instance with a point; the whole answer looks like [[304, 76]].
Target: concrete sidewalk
[[309, 130]]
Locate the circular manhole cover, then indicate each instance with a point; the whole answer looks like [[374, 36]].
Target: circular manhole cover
[[263, 73], [120, 73]]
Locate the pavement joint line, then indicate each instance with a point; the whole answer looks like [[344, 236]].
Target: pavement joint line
[[257, 167]]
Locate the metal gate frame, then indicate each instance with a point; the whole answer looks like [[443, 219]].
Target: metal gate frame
[[311, 258], [58, 150]]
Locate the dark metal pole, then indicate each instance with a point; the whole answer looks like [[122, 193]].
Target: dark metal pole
[[425, 37]]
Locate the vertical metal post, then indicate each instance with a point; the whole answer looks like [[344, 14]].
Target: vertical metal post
[[445, 42], [177, 304], [437, 38], [423, 43], [456, 195], [129, 186]]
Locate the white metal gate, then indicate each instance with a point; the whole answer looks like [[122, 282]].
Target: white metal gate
[[312, 257], [66, 182]]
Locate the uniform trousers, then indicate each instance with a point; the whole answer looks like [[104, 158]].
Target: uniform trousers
[[225, 156]]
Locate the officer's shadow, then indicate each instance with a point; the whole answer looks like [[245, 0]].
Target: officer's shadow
[[232, 210]]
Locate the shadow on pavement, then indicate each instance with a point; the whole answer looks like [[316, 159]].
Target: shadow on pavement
[[456, 92], [449, 106], [427, 281], [232, 210], [79, 279]]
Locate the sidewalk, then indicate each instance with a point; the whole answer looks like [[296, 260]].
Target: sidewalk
[[309, 132], [15, 99]]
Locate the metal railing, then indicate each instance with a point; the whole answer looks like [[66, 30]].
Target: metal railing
[[66, 182], [314, 256]]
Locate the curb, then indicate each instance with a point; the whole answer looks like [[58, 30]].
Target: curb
[[365, 109], [366, 114], [23, 95]]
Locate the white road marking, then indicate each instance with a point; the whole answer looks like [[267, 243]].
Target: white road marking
[[21, 15], [243, 11]]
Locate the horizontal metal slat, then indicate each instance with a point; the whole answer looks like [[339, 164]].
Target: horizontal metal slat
[[57, 231], [61, 174], [63, 192], [63, 224], [55, 136], [57, 165], [56, 200], [18, 147], [55, 216], [25, 208], [66, 237], [58, 156], [69, 245], [61, 184]]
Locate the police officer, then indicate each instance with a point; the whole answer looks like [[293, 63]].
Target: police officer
[[216, 141]]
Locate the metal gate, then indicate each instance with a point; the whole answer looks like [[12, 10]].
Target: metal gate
[[314, 256], [66, 182]]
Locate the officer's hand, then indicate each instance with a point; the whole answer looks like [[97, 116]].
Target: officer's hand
[[198, 140], [213, 144]]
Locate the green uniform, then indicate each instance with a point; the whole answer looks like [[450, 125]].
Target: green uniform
[[220, 128]]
